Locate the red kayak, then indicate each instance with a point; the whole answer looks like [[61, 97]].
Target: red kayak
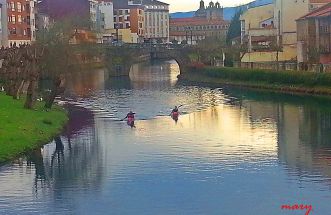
[[130, 121], [174, 114]]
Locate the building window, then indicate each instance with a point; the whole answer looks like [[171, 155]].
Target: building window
[[12, 6], [29, 31], [13, 19], [19, 18], [13, 31], [19, 7]]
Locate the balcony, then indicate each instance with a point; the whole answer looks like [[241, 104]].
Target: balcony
[[262, 32]]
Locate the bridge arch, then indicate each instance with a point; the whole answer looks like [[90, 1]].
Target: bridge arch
[[119, 60]]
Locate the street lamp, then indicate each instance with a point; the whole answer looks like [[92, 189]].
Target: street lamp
[[186, 35], [191, 29]]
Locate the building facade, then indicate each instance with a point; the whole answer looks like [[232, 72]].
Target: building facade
[[212, 11], [130, 15], [156, 21], [104, 16], [3, 24], [191, 30], [314, 35], [21, 22], [258, 32], [276, 22], [285, 15], [207, 22]]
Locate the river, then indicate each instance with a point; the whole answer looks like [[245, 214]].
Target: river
[[232, 151]]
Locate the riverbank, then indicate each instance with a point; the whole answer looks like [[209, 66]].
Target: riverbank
[[22, 130], [283, 81]]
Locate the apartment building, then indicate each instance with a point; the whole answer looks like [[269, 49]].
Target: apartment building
[[21, 22], [104, 16], [130, 15], [156, 21], [194, 29], [314, 33], [277, 20]]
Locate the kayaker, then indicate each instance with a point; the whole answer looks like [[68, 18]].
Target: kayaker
[[130, 115], [174, 114], [175, 110]]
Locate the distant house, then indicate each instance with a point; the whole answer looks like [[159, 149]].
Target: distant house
[[270, 31], [258, 32], [314, 35]]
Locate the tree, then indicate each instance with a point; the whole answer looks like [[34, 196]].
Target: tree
[[209, 49], [60, 55], [237, 51], [234, 28]]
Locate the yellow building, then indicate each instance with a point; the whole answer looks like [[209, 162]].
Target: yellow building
[[124, 35], [257, 28], [283, 30]]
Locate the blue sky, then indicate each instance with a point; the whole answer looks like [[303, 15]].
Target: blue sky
[[189, 5]]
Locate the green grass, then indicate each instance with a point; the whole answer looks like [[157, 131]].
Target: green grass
[[22, 130], [294, 81]]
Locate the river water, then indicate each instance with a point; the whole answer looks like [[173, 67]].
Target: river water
[[232, 151]]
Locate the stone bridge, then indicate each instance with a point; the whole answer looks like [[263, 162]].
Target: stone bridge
[[119, 59]]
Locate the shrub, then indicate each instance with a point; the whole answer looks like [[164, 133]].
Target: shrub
[[271, 77]]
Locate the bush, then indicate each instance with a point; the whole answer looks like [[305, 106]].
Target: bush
[[270, 77]]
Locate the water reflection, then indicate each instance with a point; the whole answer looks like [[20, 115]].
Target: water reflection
[[230, 147]]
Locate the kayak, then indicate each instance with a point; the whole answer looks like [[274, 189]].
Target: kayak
[[130, 121], [175, 115]]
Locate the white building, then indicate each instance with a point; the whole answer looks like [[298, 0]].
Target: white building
[[104, 16], [156, 21], [33, 12], [3, 24], [93, 13]]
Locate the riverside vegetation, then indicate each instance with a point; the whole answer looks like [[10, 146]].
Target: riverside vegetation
[[290, 81], [23, 129]]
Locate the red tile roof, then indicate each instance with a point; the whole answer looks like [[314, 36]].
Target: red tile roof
[[196, 21], [323, 11]]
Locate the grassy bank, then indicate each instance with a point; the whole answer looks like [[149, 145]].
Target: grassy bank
[[22, 130], [287, 81]]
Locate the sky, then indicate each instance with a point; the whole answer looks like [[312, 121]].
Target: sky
[[192, 5]]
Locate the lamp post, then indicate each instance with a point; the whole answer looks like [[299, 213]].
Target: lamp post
[[191, 29], [186, 35]]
